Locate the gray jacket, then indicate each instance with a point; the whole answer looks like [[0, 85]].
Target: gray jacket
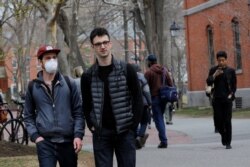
[[145, 89], [55, 115]]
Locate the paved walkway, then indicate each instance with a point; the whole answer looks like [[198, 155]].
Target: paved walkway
[[174, 137], [193, 143]]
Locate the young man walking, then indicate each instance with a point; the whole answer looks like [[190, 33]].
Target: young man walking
[[146, 97], [154, 76], [223, 78], [112, 104], [53, 113]]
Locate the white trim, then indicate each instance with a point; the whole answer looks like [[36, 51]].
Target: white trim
[[202, 7]]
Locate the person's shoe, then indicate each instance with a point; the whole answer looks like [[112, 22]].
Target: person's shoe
[[143, 139], [223, 142], [162, 145], [228, 146], [138, 143], [169, 123]]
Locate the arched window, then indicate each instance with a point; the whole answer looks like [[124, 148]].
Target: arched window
[[210, 42], [236, 40]]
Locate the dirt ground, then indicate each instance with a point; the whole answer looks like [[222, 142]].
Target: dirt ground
[[12, 150]]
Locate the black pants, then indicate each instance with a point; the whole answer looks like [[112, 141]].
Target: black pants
[[49, 153], [222, 119], [108, 142]]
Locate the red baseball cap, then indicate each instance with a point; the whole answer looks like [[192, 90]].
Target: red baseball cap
[[46, 49]]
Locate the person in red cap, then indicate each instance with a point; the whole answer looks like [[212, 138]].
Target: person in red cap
[[53, 114]]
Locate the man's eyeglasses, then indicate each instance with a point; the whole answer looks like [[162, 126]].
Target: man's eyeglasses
[[99, 44]]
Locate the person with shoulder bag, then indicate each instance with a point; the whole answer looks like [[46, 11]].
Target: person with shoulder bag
[[224, 80], [154, 76]]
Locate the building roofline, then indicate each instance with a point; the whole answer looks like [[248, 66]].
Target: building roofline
[[202, 7]]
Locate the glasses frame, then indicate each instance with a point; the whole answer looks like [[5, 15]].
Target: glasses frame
[[99, 44]]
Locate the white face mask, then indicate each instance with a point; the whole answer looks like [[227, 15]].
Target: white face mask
[[51, 66]]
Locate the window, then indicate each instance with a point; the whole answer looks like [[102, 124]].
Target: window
[[210, 42], [237, 46]]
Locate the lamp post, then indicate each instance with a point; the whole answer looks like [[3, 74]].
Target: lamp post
[[175, 32]]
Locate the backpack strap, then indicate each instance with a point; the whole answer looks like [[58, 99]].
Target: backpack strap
[[164, 76], [68, 82], [30, 88]]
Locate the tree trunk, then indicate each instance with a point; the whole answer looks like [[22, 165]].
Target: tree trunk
[[153, 27]]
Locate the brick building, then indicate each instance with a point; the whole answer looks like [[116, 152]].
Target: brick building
[[11, 73], [213, 25]]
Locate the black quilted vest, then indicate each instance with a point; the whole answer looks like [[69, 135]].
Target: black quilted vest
[[120, 97]]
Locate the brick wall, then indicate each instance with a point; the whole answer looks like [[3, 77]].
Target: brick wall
[[219, 17]]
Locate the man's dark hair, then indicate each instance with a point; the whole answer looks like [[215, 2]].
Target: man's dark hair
[[221, 54], [99, 31]]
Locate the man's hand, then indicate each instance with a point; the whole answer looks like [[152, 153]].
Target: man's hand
[[77, 145], [39, 139], [218, 72]]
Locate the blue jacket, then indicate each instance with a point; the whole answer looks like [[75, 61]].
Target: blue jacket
[[55, 115]]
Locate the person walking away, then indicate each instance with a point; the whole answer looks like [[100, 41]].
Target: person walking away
[[112, 104], [170, 109], [141, 131], [53, 113], [154, 77], [224, 80]]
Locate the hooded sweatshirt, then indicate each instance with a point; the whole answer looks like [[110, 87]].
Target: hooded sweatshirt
[[154, 76]]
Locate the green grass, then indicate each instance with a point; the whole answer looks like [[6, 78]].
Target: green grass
[[85, 159], [197, 112], [20, 161]]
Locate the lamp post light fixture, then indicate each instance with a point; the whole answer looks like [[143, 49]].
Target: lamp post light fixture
[[175, 32], [174, 29]]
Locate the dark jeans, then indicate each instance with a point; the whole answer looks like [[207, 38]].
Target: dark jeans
[[49, 153], [144, 122], [158, 108], [222, 119], [107, 143]]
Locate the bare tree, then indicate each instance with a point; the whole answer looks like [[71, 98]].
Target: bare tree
[[60, 26], [20, 29]]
